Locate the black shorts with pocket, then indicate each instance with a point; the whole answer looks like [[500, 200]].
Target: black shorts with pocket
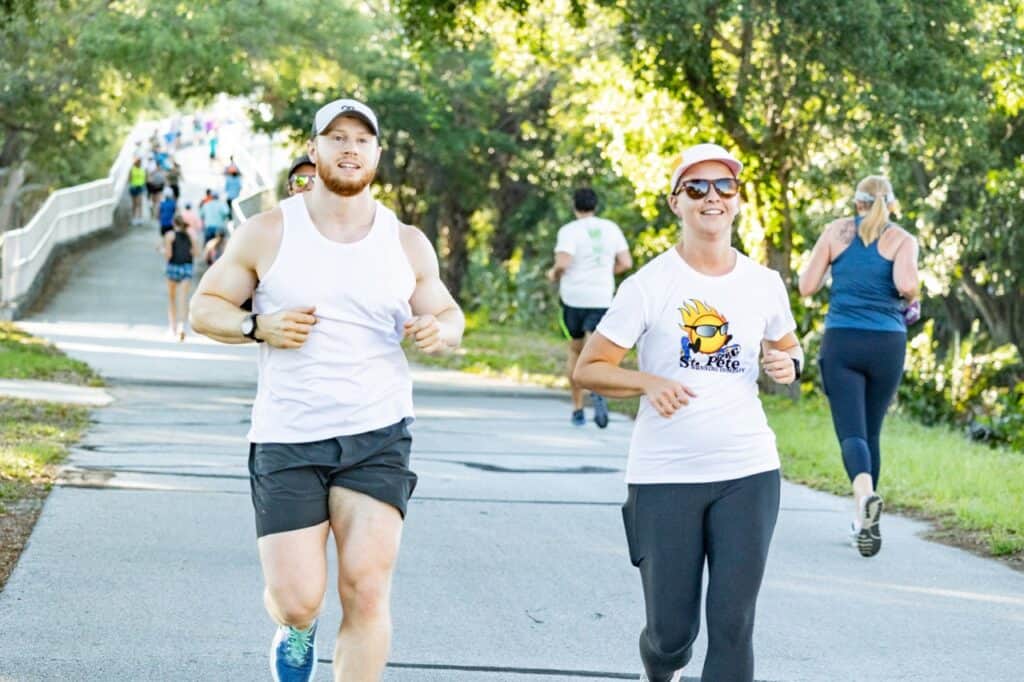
[[291, 482], [578, 321]]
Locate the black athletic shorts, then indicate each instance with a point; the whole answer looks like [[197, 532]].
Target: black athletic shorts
[[577, 321], [291, 482]]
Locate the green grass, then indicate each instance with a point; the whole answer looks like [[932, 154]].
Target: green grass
[[929, 470], [523, 355], [507, 352], [23, 356], [34, 436]]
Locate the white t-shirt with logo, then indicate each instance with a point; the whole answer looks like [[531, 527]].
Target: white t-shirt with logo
[[589, 282], [704, 332]]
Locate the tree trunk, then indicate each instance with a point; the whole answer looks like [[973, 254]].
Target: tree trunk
[[432, 224], [457, 256], [780, 249], [12, 151], [992, 309], [13, 178], [509, 198], [958, 319]]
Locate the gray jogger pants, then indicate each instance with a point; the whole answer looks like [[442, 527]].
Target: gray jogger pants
[[672, 529]]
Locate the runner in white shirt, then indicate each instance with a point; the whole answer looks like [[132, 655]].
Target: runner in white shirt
[[703, 471], [589, 252]]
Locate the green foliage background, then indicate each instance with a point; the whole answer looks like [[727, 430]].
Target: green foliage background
[[493, 111]]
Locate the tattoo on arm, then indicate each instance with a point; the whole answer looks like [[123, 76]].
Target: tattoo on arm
[[846, 232]]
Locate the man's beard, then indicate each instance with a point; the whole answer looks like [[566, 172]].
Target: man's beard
[[348, 187]]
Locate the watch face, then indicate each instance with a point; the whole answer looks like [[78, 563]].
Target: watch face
[[247, 325]]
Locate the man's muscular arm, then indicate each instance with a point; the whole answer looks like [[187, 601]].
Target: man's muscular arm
[[438, 322], [216, 310]]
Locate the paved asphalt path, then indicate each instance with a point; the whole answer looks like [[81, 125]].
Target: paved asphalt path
[[143, 564]]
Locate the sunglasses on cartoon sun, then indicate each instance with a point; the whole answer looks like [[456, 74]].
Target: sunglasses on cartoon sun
[[697, 188], [709, 330]]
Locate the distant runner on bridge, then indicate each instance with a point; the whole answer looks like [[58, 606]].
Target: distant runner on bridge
[[180, 250], [337, 281]]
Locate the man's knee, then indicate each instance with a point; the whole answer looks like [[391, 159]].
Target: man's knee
[[365, 591], [295, 605]]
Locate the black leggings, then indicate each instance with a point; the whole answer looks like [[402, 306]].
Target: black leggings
[[672, 528], [861, 371]]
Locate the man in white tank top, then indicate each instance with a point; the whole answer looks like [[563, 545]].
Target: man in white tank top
[[337, 282]]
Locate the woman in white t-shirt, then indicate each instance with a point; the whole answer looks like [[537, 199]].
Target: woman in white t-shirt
[[703, 471]]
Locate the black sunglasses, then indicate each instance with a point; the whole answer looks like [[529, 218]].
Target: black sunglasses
[[695, 188], [709, 330]]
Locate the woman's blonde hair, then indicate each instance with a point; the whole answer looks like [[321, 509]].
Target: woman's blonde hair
[[875, 191]]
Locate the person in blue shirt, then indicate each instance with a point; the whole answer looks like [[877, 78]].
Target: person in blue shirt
[[874, 293], [162, 158], [232, 183], [214, 214], [168, 207]]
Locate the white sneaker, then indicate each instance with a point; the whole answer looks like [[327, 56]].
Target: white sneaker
[[852, 532]]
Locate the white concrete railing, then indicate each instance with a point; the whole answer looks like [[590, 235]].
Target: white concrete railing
[[74, 212], [66, 215], [258, 193]]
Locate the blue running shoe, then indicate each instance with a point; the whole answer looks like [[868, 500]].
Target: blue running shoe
[[577, 418], [293, 654], [600, 410]]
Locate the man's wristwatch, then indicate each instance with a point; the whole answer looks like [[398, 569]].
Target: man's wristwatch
[[249, 327], [796, 368]]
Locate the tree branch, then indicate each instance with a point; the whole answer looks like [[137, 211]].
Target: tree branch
[[727, 45], [747, 38], [988, 306], [700, 76]]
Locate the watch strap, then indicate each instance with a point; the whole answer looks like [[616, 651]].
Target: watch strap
[[252, 330]]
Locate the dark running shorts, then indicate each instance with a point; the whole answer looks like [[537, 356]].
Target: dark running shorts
[[291, 482], [577, 321], [136, 190]]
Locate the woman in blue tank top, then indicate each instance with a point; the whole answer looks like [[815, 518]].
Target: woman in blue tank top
[[874, 294]]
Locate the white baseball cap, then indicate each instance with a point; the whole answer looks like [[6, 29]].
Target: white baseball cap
[[699, 153], [344, 107]]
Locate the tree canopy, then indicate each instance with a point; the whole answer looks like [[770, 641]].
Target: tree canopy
[[493, 111]]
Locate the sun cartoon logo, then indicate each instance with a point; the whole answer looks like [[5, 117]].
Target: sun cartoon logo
[[706, 329]]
